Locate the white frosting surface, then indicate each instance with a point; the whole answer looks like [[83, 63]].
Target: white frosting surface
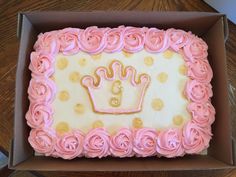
[[170, 92]]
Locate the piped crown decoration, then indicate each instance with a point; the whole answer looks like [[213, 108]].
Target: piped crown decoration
[[124, 89]]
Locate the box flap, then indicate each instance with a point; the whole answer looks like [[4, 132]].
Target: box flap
[[10, 155], [226, 28], [197, 22], [21, 147], [221, 142], [19, 25], [234, 151], [195, 162]]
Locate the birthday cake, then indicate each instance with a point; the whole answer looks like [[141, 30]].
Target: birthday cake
[[121, 92]]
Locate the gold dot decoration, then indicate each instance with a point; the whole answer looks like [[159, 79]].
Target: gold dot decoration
[[79, 108], [157, 104], [64, 95], [168, 54], [127, 54], [148, 61], [62, 127], [98, 124], [74, 77], [183, 95], [96, 56], [183, 69], [178, 120], [82, 61], [62, 63], [162, 77], [115, 102], [137, 123]]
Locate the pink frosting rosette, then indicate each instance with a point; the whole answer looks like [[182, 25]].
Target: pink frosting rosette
[[39, 115], [134, 39], [198, 92], [196, 49], [121, 144], [96, 143], [195, 138], [145, 142], [41, 89], [92, 39], [41, 64], [42, 140], [156, 40], [200, 70], [169, 143], [115, 39], [177, 38], [70, 145], [203, 114], [69, 41], [47, 42]]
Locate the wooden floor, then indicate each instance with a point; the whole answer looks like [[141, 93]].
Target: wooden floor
[[9, 51]]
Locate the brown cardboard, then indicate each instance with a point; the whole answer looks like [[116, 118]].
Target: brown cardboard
[[210, 26]]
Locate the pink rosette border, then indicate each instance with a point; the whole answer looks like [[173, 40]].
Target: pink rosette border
[[191, 139]]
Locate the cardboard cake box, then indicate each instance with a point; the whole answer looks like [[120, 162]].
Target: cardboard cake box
[[212, 27]]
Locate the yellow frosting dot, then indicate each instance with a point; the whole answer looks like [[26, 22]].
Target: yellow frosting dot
[[74, 77], [64, 95], [98, 124], [162, 77], [183, 69], [127, 54], [62, 63], [96, 56], [148, 61], [168, 54], [157, 104], [82, 61], [178, 120], [137, 123], [183, 95], [79, 108], [62, 127]]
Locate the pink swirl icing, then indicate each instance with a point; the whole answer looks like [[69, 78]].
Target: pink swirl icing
[[70, 145], [42, 140], [115, 39], [195, 138], [177, 38], [198, 92], [200, 70], [92, 39], [41, 89], [134, 39], [68, 39], [169, 143], [196, 49], [203, 114], [96, 143], [39, 115], [47, 42], [41, 64], [145, 142], [121, 144], [156, 40]]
